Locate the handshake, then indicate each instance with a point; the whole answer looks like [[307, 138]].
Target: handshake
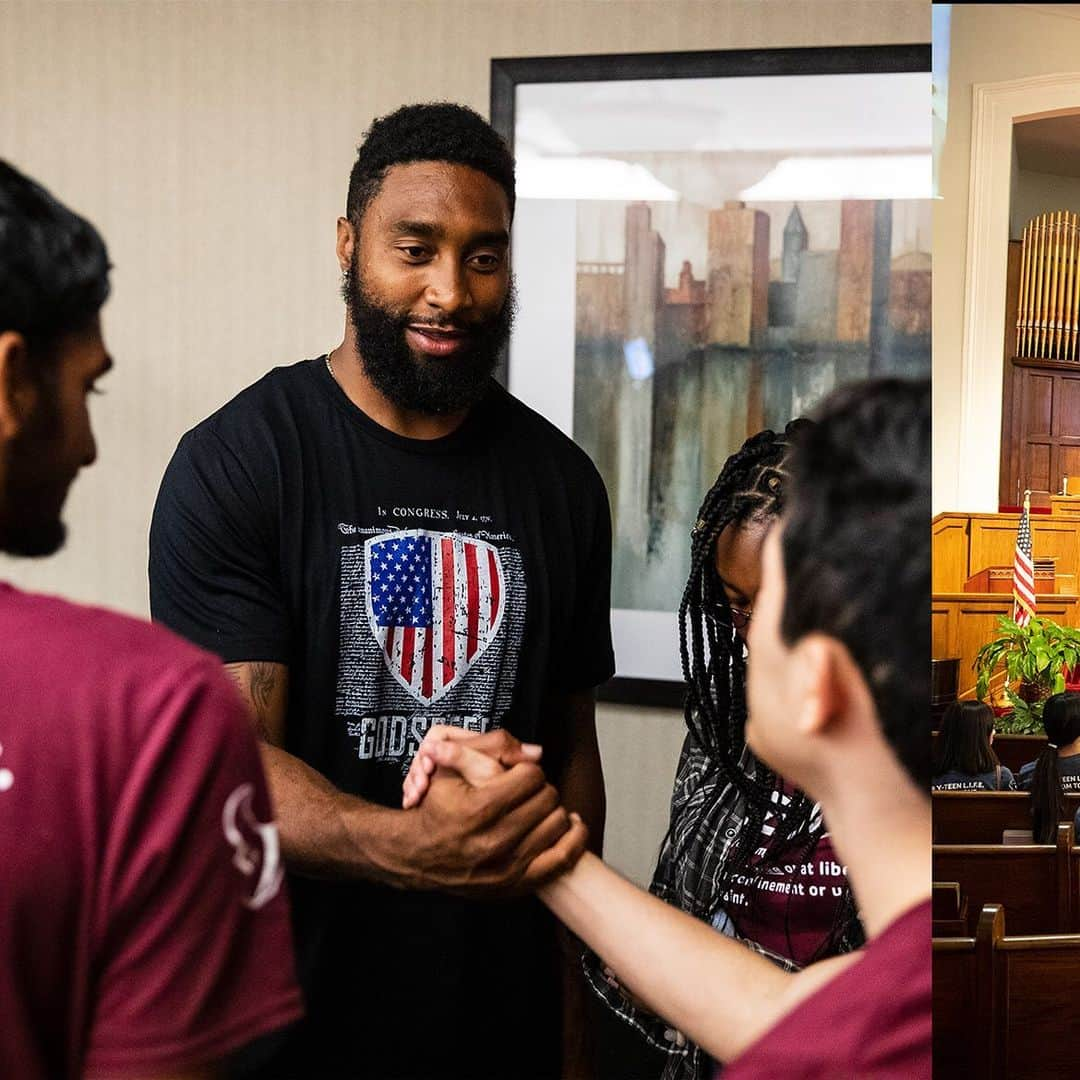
[[491, 823]]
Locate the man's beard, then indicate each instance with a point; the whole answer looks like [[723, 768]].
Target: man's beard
[[30, 523], [425, 384]]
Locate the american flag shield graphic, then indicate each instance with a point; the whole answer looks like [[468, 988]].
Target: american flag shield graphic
[[435, 601]]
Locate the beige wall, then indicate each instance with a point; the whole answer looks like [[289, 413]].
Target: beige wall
[[211, 143], [990, 43], [1037, 193]]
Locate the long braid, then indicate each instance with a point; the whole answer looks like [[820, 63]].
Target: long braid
[[750, 487]]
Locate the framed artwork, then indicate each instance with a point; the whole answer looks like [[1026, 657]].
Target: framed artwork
[[705, 245]]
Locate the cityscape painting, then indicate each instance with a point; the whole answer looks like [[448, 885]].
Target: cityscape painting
[[737, 318], [706, 244]]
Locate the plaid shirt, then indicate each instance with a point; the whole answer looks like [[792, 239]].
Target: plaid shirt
[[702, 831]]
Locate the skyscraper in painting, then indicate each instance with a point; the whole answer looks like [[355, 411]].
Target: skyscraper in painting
[[670, 377]]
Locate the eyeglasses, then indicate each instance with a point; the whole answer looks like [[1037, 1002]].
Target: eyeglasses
[[740, 617]]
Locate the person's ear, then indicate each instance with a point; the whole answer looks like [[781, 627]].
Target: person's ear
[[346, 238], [18, 392], [822, 694]]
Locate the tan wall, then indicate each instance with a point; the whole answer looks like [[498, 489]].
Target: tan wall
[[1037, 193], [211, 143], [989, 43]]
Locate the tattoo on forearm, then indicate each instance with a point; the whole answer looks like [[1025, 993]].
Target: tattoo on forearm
[[257, 683]]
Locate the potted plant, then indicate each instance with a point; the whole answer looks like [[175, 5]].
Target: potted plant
[[1036, 658]]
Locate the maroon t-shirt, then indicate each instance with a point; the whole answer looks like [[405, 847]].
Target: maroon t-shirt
[[790, 908], [793, 909], [143, 924], [872, 1020]]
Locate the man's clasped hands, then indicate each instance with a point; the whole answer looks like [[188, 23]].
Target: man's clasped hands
[[518, 834]]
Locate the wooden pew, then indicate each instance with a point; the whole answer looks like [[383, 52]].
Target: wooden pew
[[1016, 750], [950, 910], [1005, 1006], [1036, 883], [964, 1017], [1036, 987], [981, 817]]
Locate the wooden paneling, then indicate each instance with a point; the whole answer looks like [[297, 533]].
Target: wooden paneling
[[1069, 406], [1065, 505], [939, 631], [1068, 460], [993, 541], [961, 623], [1037, 475], [949, 547], [1038, 406], [1040, 429], [964, 544]]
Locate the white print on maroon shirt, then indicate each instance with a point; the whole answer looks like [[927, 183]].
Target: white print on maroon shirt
[[7, 777], [255, 845]]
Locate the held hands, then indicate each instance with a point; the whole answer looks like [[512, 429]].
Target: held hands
[[488, 823], [500, 748]]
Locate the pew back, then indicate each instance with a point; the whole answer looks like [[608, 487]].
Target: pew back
[[964, 1018], [1037, 984], [1036, 883], [981, 817]]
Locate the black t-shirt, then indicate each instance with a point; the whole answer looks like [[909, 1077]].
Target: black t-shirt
[[1068, 768], [954, 780], [404, 582]]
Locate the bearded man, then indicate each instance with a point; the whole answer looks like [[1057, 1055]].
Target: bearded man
[[381, 539]]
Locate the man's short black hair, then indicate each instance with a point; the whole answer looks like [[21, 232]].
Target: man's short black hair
[[438, 131], [856, 548], [54, 269]]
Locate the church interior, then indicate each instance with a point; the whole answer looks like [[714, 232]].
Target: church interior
[[1006, 535]]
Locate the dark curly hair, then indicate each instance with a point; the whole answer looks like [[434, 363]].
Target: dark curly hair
[[437, 131], [54, 269]]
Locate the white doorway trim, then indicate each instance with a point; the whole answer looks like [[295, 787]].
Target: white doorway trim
[[995, 107]]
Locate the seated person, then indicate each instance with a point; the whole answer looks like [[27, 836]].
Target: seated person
[[1057, 769], [965, 759], [837, 684]]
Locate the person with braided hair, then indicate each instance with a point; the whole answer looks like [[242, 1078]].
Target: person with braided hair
[[743, 847]]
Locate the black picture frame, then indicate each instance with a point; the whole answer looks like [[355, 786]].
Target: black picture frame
[[507, 74]]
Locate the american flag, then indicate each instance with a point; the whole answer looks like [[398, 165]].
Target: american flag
[[435, 601], [1023, 570]]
